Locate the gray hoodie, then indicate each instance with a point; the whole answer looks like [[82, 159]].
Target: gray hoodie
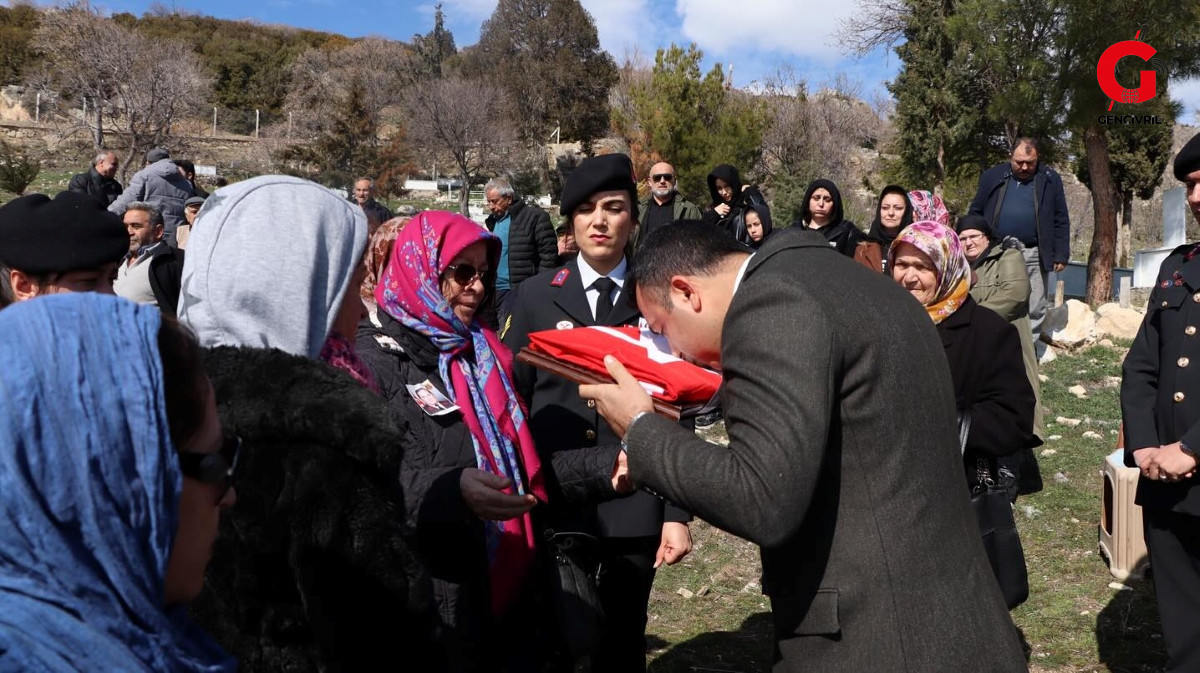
[[268, 264]]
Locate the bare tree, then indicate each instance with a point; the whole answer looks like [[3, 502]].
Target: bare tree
[[463, 120], [877, 23], [321, 79], [137, 86]]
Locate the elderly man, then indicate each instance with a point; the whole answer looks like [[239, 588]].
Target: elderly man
[[98, 181], [364, 196], [1160, 405], [663, 205], [1025, 199], [152, 270], [161, 183], [843, 461], [528, 244], [68, 244]]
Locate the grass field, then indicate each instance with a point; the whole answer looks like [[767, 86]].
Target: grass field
[[708, 614]]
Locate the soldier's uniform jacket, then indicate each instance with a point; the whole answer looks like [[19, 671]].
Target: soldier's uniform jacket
[[1160, 391], [560, 419]]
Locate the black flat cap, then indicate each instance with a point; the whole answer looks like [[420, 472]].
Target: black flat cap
[[70, 233], [608, 172], [1188, 159]]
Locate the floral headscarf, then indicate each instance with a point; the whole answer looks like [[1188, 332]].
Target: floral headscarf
[[950, 264], [379, 250], [929, 207], [476, 368]]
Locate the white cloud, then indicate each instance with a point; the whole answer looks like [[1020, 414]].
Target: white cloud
[[623, 25], [798, 27], [1187, 92], [468, 11]]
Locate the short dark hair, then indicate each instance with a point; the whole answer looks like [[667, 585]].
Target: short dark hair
[[1026, 141], [185, 385], [187, 165], [684, 247]]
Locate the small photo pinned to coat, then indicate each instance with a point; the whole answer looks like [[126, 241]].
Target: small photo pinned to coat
[[430, 399]]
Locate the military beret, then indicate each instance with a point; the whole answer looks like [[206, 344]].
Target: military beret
[[1188, 159], [70, 233], [607, 172], [157, 154]]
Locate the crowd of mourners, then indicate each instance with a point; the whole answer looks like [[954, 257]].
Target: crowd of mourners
[[305, 443]]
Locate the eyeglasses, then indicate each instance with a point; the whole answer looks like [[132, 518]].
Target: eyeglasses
[[214, 468], [465, 274], [971, 237], [662, 177]]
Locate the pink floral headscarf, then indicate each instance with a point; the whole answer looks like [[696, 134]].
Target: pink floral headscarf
[[941, 245], [929, 206]]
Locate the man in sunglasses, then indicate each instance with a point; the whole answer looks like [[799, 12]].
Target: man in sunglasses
[[638, 532], [663, 205]]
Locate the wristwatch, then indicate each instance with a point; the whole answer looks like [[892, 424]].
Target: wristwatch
[[1182, 447]]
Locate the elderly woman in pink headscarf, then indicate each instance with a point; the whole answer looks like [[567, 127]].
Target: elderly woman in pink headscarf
[[470, 473], [984, 350]]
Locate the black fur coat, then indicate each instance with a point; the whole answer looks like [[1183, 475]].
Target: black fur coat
[[310, 572]]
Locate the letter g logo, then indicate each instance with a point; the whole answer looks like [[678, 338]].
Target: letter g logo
[[1106, 72]]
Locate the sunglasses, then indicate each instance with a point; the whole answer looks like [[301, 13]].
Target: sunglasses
[[465, 274], [662, 177], [214, 468]]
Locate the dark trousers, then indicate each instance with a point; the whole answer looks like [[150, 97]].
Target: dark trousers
[[626, 575], [1173, 541]]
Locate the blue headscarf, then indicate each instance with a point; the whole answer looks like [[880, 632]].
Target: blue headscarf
[[89, 493]]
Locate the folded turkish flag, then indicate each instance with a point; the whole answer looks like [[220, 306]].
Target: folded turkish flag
[[662, 375]]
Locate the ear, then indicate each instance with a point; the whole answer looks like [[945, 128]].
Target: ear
[[22, 285], [685, 292]]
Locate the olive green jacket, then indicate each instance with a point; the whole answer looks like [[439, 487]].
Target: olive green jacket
[[1002, 284]]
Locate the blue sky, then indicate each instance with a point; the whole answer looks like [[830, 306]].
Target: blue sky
[[756, 37]]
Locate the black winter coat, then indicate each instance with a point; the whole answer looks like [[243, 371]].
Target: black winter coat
[[733, 221], [984, 352], [449, 537], [96, 186], [532, 245], [166, 277], [310, 571]]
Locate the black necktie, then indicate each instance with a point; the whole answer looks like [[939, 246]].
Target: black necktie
[[604, 302]]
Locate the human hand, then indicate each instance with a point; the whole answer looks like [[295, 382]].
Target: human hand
[[676, 543], [1059, 266], [482, 491], [722, 209], [618, 402], [1174, 464], [620, 474]]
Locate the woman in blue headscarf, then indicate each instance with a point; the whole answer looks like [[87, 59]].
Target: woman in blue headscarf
[[113, 472]]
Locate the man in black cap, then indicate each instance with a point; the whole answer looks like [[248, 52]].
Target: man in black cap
[[1160, 405], [639, 532], [69, 244]]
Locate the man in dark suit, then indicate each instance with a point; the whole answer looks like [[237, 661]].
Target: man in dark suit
[[639, 532], [843, 461], [1160, 405]]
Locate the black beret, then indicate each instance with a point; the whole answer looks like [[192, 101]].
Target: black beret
[[1188, 159], [607, 172], [71, 233]]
